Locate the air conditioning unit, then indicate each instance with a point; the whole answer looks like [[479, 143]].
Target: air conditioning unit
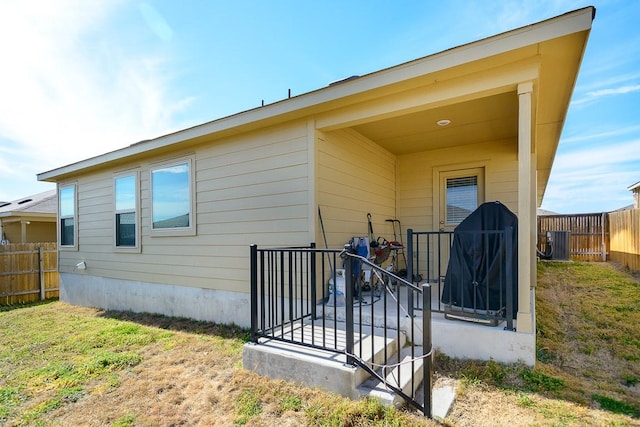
[[560, 242]]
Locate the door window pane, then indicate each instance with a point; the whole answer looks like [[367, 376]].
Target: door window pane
[[461, 197]]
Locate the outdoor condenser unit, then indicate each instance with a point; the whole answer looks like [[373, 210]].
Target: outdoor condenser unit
[[560, 242]]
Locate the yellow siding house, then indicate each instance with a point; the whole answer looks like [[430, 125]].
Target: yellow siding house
[[30, 219], [165, 225]]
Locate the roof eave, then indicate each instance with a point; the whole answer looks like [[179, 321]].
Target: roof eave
[[21, 214]]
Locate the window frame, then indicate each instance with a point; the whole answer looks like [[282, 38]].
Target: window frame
[[74, 217], [174, 231], [136, 211], [443, 177]]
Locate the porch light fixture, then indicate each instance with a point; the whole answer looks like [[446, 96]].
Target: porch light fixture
[[443, 122]]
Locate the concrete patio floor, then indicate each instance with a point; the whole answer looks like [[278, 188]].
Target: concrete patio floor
[[464, 339]]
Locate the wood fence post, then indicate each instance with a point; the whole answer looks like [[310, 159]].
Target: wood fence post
[[605, 232], [41, 271]]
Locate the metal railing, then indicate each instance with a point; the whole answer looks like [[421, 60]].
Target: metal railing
[[289, 303], [478, 283]]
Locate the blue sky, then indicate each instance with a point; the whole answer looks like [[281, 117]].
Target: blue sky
[[81, 78]]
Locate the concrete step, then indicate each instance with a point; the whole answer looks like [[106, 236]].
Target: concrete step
[[397, 374], [364, 314], [371, 347], [394, 317]]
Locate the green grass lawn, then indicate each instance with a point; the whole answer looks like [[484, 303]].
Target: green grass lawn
[[65, 365]]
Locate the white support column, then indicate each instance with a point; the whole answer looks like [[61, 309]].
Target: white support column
[[526, 199], [23, 231], [311, 181]]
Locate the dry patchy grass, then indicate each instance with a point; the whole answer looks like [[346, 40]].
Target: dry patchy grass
[[179, 372], [588, 324], [593, 338], [65, 365]]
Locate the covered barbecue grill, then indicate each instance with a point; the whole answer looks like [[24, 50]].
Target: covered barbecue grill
[[480, 267]]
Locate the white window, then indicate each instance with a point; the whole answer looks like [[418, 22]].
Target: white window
[[68, 217], [173, 198], [126, 196]]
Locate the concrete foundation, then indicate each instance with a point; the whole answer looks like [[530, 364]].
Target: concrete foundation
[[467, 340], [142, 297], [455, 338]]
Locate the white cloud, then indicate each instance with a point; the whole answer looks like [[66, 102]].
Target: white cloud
[[70, 90], [604, 81], [589, 192], [594, 95], [615, 91], [593, 176], [517, 13], [156, 22], [599, 156], [607, 135]]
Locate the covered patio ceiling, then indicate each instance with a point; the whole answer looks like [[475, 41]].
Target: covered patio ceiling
[[491, 118]]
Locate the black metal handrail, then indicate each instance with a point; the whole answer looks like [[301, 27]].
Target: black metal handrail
[[287, 304], [387, 277]]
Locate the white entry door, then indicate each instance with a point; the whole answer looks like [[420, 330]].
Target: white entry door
[[460, 192]]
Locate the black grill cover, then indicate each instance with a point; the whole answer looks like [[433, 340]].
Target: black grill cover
[[476, 275]]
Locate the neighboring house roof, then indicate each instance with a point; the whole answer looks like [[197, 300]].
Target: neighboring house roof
[[625, 208], [543, 212], [178, 221], [474, 85], [41, 204], [634, 187]]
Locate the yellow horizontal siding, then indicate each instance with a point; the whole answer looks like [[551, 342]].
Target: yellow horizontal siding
[[354, 177], [165, 247], [254, 188], [417, 196], [249, 189], [280, 179], [224, 196], [227, 172]]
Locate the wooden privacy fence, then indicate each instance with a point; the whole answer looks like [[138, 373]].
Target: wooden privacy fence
[[589, 239], [624, 238], [28, 272], [613, 236]]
